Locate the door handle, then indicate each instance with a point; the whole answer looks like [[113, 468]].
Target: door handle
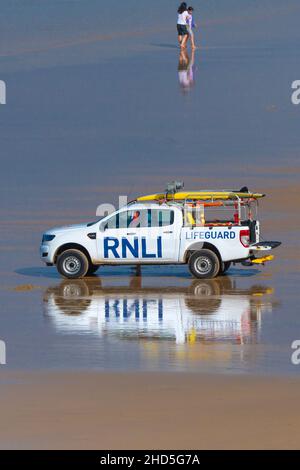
[[168, 231], [131, 233]]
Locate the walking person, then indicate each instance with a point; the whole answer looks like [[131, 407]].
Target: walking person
[[182, 29], [190, 26]]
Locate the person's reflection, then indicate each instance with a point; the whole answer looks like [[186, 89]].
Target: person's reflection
[[186, 70]]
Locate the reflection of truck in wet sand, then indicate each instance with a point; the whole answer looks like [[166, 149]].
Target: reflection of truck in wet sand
[[207, 230], [206, 310]]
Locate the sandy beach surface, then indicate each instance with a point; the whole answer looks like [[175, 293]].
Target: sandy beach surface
[[74, 410], [96, 110]]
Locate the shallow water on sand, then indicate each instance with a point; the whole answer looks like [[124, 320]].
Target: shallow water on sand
[[95, 110], [162, 319]]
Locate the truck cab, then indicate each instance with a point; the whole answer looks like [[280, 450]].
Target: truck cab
[[207, 232], [142, 234]]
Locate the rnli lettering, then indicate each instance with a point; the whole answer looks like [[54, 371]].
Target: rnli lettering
[[137, 308], [135, 248]]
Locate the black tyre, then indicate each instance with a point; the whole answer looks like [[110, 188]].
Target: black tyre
[[72, 264], [92, 269], [70, 290], [202, 288], [224, 266], [204, 264], [72, 297]]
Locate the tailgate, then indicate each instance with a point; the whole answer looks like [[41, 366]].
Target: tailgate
[[265, 246]]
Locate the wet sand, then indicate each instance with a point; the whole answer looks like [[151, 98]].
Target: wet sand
[[147, 411], [233, 140]]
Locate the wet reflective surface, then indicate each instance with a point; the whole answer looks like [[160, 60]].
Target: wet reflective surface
[[97, 110], [203, 312], [162, 319], [181, 324], [159, 319], [186, 70], [190, 326]]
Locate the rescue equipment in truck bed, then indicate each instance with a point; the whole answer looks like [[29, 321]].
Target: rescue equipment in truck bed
[[200, 196]]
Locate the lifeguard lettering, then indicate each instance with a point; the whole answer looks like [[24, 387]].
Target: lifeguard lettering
[[211, 235]]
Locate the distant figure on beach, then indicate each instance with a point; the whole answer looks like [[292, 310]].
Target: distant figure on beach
[[186, 70], [190, 26], [182, 27]]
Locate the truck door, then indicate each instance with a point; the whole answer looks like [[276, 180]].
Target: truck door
[[164, 227], [112, 231], [139, 235]]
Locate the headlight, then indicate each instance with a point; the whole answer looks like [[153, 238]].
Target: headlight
[[47, 238]]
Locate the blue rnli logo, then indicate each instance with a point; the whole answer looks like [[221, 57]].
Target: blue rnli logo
[[137, 308], [137, 248]]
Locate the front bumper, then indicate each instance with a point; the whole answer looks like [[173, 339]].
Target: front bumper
[[45, 254]]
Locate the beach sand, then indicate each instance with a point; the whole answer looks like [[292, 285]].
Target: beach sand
[[65, 410], [92, 115]]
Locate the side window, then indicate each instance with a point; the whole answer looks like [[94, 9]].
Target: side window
[[128, 219], [161, 218], [111, 222], [137, 218]]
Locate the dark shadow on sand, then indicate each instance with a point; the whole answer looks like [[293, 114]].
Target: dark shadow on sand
[[236, 272], [145, 271]]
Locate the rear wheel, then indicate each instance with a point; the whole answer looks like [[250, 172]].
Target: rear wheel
[[204, 264], [72, 264], [224, 266]]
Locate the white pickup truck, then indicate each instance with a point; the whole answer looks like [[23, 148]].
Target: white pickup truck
[[206, 230]]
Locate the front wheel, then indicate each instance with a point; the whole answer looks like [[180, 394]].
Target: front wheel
[[204, 264], [92, 269], [72, 264]]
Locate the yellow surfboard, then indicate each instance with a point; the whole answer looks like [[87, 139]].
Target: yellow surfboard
[[200, 195]]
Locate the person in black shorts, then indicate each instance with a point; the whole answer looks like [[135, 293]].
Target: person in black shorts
[[182, 29]]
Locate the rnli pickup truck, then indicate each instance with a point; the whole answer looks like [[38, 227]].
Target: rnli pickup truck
[[207, 230]]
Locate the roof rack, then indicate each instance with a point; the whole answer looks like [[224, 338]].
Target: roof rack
[[174, 193]]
